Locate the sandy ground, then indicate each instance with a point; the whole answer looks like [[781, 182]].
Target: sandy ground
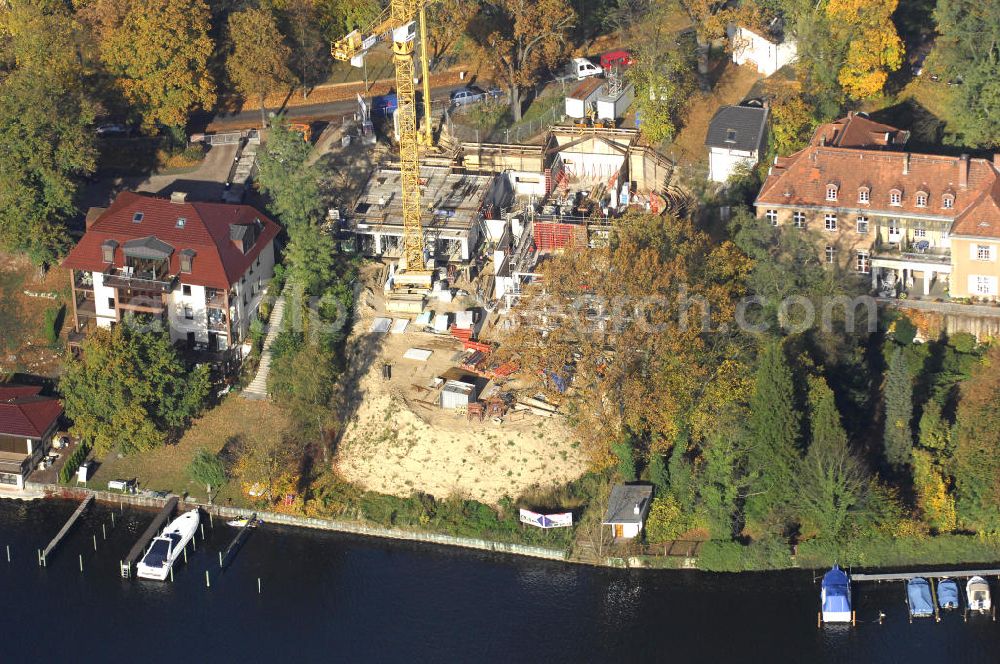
[[398, 440]]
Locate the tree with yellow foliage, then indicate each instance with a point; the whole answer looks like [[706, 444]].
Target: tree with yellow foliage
[[159, 56], [873, 48]]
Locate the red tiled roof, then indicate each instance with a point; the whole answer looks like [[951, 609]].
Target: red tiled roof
[[982, 218], [23, 412], [218, 263], [802, 179], [857, 131]]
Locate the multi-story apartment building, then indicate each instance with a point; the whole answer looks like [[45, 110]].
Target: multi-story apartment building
[[920, 224], [199, 268]]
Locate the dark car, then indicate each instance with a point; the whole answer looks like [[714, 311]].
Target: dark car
[[472, 94]]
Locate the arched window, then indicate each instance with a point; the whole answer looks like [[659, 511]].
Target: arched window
[[864, 194], [895, 197], [948, 201], [831, 192], [921, 198]]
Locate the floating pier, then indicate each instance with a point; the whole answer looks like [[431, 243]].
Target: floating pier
[[234, 546], [43, 556], [155, 527]]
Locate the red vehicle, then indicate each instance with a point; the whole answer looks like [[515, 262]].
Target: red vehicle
[[619, 58]]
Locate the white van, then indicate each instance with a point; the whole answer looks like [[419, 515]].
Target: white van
[[581, 68]]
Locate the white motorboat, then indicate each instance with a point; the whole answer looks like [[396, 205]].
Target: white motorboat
[[978, 593], [168, 546], [253, 522]]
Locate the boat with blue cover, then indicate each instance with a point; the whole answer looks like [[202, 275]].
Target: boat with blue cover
[[947, 592], [835, 596], [918, 593]]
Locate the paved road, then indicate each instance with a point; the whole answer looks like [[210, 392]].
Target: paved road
[[250, 117]]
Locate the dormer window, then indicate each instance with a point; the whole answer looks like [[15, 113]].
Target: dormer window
[[921, 199], [831, 192], [864, 195], [730, 136], [186, 260], [137, 217], [108, 251], [895, 197], [181, 221], [948, 201]]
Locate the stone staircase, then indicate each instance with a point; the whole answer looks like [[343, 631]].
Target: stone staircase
[[257, 389]]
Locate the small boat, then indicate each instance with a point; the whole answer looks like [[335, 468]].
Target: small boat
[[918, 591], [977, 592], [835, 595], [167, 547], [947, 592], [253, 522]]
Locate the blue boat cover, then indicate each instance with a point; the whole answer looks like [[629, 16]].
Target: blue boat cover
[[919, 592], [837, 587], [947, 594]]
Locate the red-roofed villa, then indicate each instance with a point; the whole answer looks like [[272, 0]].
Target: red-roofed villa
[[199, 268], [27, 422]]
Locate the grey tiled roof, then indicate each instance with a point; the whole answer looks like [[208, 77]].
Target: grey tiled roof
[[737, 128], [623, 500]]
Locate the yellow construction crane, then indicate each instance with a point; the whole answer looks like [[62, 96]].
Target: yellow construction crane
[[398, 20]]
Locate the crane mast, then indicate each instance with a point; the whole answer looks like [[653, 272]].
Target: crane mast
[[398, 20]]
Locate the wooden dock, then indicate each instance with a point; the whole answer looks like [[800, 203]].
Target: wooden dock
[[906, 576], [238, 541], [151, 531], [43, 556]]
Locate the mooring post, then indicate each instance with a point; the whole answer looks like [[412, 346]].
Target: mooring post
[[95, 541], [202, 532], [194, 543], [208, 583], [211, 522], [258, 585], [185, 558], [171, 574], [112, 519], [220, 559], [81, 563], [8, 553], [104, 531]]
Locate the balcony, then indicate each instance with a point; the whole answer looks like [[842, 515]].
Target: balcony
[[142, 301], [215, 299], [86, 307], [134, 278], [913, 254]]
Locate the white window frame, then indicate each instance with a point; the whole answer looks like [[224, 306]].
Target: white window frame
[[830, 221], [921, 199], [831, 192], [799, 218], [981, 284], [983, 252], [895, 197], [862, 262], [830, 254], [948, 202], [920, 232], [864, 195], [771, 216], [862, 225]]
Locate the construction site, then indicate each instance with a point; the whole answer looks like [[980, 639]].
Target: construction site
[[454, 231]]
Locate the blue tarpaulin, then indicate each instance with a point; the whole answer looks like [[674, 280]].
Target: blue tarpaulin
[[836, 592], [919, 592], [947, 591]]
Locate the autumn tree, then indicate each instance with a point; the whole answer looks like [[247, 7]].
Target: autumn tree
[[45, 140], [309, 54], [898, 400], [130, 390], [338, 17], [302, 382], [159, 56], [663, 76], [793, 120], [659, 289], [968, 48], [258, 61], [447, 22], [774, 432], [872, 47], [518, 38], [976, 464]]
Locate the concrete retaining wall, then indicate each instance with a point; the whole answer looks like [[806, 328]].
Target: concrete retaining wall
[[78, 493]]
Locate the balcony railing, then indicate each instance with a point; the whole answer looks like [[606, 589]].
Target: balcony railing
[[930, 255], [139, 279], [150, 302]]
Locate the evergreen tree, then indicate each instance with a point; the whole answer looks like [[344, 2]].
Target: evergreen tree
[[976, 464], [898, 441], [830, 483], [626, 459], [681, 474], [658, 473], [774, 428]]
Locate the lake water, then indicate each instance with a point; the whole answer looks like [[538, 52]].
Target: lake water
[[335, 598]]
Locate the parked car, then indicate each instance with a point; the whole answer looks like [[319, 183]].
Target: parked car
[[471, 94], [619, 58], [581, 68], [111, 129]]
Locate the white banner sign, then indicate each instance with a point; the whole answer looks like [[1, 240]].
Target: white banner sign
[[561, 520]]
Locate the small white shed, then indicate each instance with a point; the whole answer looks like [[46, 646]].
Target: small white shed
[[457, 394], [583, 97]]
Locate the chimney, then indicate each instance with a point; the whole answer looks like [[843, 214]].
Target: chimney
[[963, 171], [636, 509], [996, 160], [178, 197], [906, 163], [850, 114]]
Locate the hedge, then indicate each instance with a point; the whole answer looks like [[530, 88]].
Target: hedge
[[78, 456]]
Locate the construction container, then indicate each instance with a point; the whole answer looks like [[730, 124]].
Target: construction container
[[614, 107], [457, 394], [583, 97]]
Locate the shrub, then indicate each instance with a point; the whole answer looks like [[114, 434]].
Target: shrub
[[666, 520], [53, 324], [207, 469], [77, 457], [765, 554]]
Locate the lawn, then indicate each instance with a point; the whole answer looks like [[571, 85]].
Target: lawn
[[23, 346], [165, 469]]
